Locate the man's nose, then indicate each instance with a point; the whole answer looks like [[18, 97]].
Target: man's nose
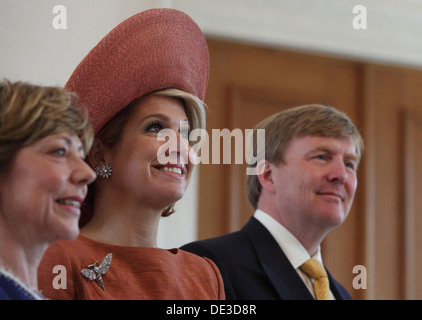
[[338, 171]]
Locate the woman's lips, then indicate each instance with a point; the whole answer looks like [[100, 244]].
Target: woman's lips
[[178, 169], [71, 204]]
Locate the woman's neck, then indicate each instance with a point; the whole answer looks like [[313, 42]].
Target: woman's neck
[[124, 226], [21, 261]]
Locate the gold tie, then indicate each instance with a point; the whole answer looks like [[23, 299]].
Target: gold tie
[[315, 270]]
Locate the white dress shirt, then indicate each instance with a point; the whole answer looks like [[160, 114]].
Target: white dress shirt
[[292, 248]]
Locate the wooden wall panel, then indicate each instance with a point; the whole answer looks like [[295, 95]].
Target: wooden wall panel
[[386, 230], [392, 183], [412, 187], [412, 183]]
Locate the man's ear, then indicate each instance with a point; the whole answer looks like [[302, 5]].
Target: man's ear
[[96, 155], [265, 175]]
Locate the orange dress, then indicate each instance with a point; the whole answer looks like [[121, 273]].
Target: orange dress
[[134, 273]]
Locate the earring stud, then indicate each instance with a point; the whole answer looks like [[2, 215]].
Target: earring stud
[[103, 170]]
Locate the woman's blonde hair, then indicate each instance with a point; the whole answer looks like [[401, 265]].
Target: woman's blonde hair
[[306, 120], [30, 112], [194, 107]]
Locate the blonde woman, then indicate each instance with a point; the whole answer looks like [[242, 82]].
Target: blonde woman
[[147, 75]]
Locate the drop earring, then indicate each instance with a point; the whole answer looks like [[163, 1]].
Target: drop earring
[[103, 170]]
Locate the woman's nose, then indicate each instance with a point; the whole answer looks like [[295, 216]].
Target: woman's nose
[[179, 146], [83, 173]]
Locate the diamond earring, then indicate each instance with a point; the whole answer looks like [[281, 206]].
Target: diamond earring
[[103, 170]]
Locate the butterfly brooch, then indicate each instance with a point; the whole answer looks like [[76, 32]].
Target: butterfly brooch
[[94, 272]]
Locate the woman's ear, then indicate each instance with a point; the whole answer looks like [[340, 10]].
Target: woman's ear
[[265, 175], [96, 155]]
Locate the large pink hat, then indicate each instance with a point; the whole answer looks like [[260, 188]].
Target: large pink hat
[[152, 50]]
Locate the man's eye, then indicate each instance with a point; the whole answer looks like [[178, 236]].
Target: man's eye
[[350, 165], [321, 157]]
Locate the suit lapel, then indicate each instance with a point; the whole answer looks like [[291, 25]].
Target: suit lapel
[[337, 289], [278, 268]]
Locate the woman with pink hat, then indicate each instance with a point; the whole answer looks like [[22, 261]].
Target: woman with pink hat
[[148, 75]]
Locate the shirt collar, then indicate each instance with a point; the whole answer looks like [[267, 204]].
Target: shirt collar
[[292, 248]]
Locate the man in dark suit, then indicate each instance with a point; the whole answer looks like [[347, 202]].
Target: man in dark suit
[[302, 187]]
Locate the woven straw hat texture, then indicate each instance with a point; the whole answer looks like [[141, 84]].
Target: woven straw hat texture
[[152, 50]]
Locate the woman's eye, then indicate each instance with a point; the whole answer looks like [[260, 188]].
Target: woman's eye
[[155, 127], [61, 152]]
